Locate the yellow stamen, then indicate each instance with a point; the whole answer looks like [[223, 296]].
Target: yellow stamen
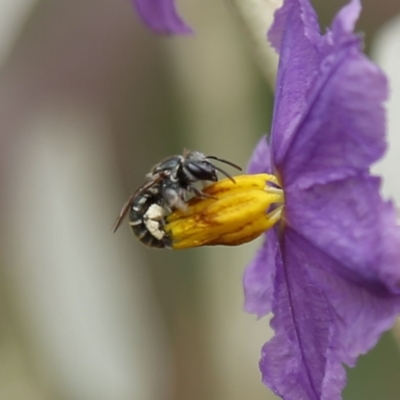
[[236, 213]]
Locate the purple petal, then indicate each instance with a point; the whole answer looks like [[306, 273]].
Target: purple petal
[[351, 223], [321, 320], [345, 21], [260, 161], [343, 128], [295, 33], [259, 277], [161, 16], [308, 27], [337, 281], [293, 363]]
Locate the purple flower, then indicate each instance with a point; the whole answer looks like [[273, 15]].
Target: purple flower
[[330, 271], [161, 16]]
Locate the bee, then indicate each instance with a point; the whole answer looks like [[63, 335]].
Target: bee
[[167, 188]]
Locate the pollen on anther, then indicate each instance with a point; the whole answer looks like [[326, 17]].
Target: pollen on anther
[[236, 213]]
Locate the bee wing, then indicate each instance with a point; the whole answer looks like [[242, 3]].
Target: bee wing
[[125, 208]]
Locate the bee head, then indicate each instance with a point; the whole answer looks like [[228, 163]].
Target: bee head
[[197, 166]]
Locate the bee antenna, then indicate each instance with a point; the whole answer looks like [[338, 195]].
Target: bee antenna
[[226, 162], [223, 172]]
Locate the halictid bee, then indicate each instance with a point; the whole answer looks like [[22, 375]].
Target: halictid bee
[[166, 188]]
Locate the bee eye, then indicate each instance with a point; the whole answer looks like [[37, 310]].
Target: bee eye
[[202, 171]]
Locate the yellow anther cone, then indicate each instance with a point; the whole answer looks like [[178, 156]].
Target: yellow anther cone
[[238, 213]]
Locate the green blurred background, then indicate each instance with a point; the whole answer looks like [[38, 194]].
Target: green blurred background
[[89, 101]]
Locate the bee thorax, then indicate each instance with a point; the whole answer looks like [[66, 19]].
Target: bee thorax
[[174, 198]]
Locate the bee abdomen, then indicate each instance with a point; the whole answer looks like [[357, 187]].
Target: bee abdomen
[[148, 228]]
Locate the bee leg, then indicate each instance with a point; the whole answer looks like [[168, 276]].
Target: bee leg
[[180, 204], [200, 194]]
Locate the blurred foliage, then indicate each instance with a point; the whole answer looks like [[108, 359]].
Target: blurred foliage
[[377, 374]]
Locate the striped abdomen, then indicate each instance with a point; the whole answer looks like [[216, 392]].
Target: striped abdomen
[[146, 218]]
